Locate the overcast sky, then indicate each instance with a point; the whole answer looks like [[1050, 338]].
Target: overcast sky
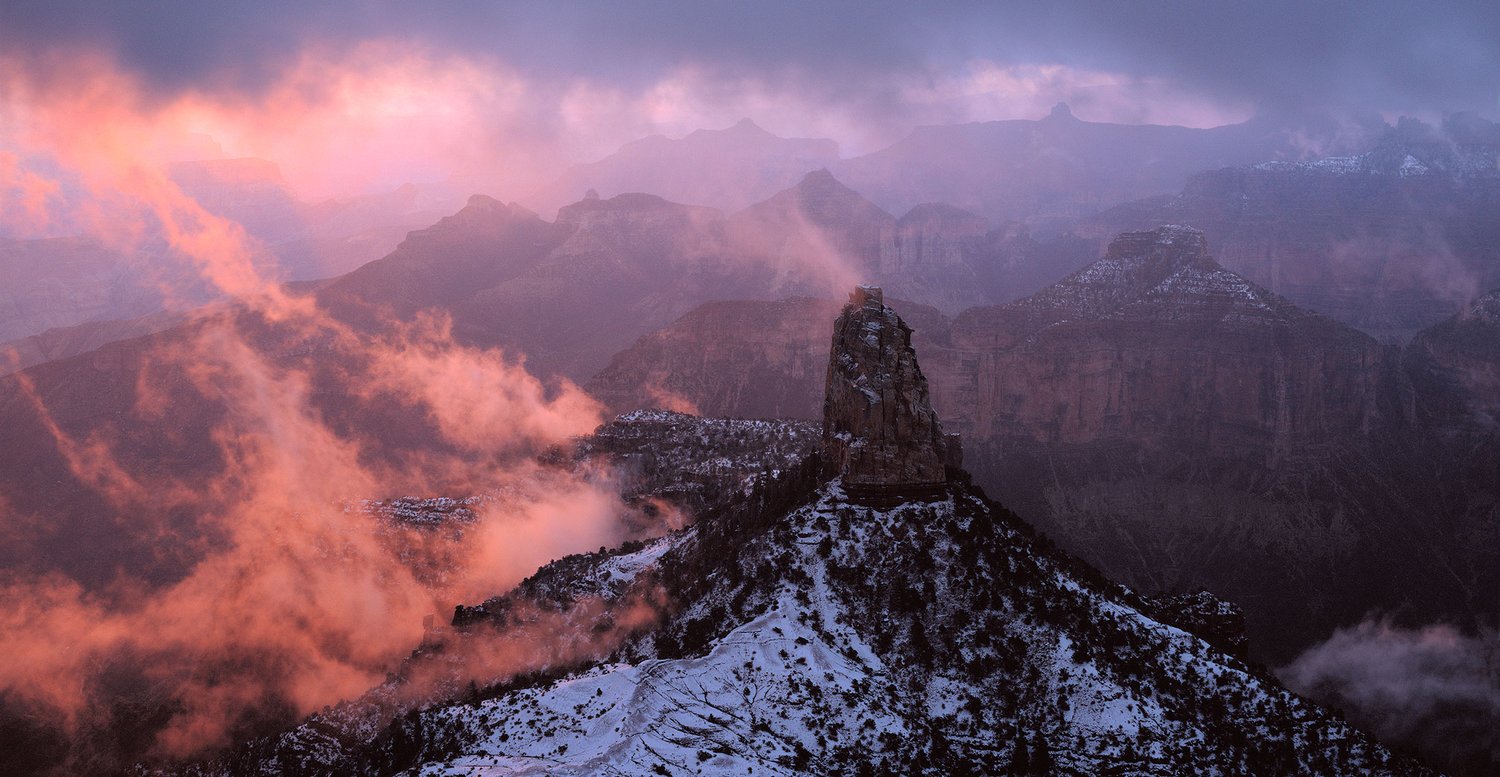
[[1383, 56], [571, 81]]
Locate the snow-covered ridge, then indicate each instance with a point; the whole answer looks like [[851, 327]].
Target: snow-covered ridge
[[1456, 162], [1163, 272], [811, 679], [1198, 286]]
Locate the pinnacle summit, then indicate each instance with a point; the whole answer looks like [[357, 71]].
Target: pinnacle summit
[[880, 433]]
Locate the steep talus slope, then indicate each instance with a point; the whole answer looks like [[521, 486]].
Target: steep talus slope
[[1390, 241], [803, 631]]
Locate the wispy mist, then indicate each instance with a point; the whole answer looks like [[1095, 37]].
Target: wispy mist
[[1433, 688]]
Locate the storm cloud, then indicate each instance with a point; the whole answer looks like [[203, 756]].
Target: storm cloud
[[1382, 56], [1433, 688]]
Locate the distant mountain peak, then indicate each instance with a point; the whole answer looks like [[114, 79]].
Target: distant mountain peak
[[824, 200], [1138, 261], [1168, 265], [940, 212], [1061, 112], [819, 186], [748, 125], [482, 201], [480, 208], [743, 130], [728, 168], [633, 201], [820, 179], [1169, 243], [1464, 147]]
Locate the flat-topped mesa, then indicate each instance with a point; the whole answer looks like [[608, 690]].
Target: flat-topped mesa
[[880, 433]]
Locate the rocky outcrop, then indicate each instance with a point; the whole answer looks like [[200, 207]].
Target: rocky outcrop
[[880, 433], [1218, 622], [808, 636]]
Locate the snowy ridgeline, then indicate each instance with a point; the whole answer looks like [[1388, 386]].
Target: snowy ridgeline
[[1171, 277], [928, 638], [1466, 163]]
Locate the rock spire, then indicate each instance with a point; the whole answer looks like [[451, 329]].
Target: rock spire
[[880, 433]]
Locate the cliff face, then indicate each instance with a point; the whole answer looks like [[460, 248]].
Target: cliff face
[[1156, 342], [879, 429], [1458, 361], [932, 235], [743, 358]]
